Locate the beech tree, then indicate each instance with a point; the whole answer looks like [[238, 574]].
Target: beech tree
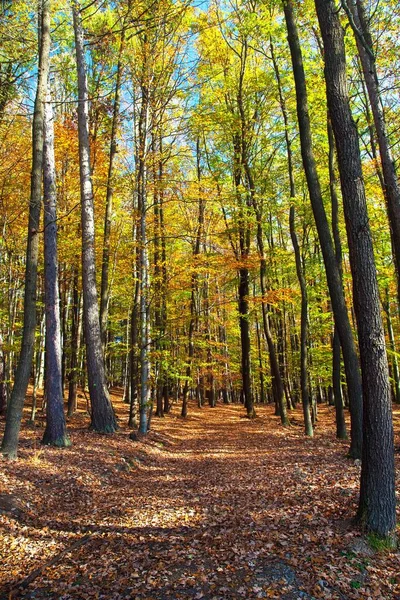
[[15, 408], [377, 506], [102, 414], [332, 272], [55, 433]]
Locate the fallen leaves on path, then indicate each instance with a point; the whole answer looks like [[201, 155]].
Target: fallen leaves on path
[[212, 507]]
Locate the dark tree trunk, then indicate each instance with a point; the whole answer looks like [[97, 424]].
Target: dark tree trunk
[[377, 506], [102, 417], [303, 329], [391, 187], [3, 386], [341, 431], [260, 366], [15, 408], [245, 340], [55, 433], [342, 322]]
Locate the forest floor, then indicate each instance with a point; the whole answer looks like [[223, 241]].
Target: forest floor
[[212, 507]]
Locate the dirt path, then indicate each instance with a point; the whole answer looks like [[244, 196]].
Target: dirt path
[[213, 507]]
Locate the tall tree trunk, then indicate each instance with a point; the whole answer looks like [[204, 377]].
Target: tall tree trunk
[[104, 286], [15, 408], [194, 285], [143, 259], [339, 307], [341, 431], [377, 506], [359, 22], [102, 417], [55, 433], [305, 397]]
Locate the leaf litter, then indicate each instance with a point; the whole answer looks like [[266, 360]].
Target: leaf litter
[[212, 507]]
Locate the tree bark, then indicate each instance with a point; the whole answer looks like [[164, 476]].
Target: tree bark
[[377, 505], [104, 286], [55, 433], [102, 417], [341, 431], [75, 345], [339, 307], [359, 22], [15, 408]]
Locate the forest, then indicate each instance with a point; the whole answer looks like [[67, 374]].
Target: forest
[[200, 299]]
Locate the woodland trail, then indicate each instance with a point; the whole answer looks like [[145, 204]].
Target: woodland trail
[[212, 507]]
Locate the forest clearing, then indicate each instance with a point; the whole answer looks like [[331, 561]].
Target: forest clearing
[[215, 506]]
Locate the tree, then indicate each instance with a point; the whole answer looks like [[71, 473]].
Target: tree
[[332, 272], [377, 505], [14, 412], [103, 418], [356, 12], [55, 433]]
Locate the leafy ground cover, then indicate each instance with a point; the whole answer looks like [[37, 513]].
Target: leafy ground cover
[[211, 507]]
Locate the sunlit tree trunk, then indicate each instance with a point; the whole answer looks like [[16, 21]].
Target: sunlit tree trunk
[[194, 286], [102, 414], [55, 433], [15, 408], [104, 286]]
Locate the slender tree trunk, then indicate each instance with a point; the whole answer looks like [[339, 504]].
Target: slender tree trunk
[[339, 307], [143, 259], [377, 506], [194, 286], [55, 433], [75, 345], [3, 386], [102, 417], [303, 329], [104, 287], [260, 363], [158, 280], [244, 284], [392, 343], [134, 362], [15, 408], [341, 431]]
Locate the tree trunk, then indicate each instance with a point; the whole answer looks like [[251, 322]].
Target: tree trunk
[[245, 340], [104, 287], [392, 343], [354, 383], [194, 285], [341, 431], [377, 506], [75, 345], [15, 408], [303, 329], [102, 417], [391, 189], [55, 433]]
